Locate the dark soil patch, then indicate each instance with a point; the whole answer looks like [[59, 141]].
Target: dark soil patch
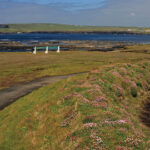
[[145, 113]]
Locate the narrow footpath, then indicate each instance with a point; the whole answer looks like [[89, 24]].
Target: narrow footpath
[[10, 95]]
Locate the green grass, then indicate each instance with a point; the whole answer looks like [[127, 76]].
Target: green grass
[[66, 28], [54, 117], [19, 67], [145, 48]]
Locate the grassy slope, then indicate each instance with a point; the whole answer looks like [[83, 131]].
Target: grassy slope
[[58, 116], [18, 67], [64, 28]]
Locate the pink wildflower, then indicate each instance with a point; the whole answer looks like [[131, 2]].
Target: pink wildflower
[[119, 88], [68, 96], [86, 84], [117, 74], [123, 148], [96, 138], [97, 87], [82, 98], [85, 100], [94, 90], [78, 95], [126, 81], [123, 70], [125, 65], [90, 125], [99, 99], [122, 121], [94, 71], [114, 122], [133, 84], [104, 105], [120, 91], [101, 81]]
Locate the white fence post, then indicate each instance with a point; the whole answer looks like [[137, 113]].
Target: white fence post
[[58, 50], [46, 51], [34, 52]]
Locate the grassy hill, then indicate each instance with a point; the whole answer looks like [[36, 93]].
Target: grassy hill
[[97, 110], [107, 108], [13, 28]]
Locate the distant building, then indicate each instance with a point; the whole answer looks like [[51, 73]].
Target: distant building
[[129, 30], [4, 26], [148, 30]]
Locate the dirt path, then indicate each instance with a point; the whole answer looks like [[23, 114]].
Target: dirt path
[[10, 95]]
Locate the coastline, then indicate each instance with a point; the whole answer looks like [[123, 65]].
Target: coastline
[[77, 32]]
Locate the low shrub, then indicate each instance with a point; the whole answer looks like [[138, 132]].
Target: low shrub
[[133, 92]]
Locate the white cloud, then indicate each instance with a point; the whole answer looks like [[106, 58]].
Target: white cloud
[[113, 13], [132, 14]]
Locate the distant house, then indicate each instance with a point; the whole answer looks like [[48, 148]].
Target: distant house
[[129, 30], [4, 26], [148, 30]]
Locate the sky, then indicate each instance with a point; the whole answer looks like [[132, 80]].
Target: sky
[[77, 12]]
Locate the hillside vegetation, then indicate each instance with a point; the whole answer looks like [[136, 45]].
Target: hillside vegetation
[[96, 110], [13, 28]]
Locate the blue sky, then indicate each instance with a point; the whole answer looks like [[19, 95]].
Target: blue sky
[[78, 12], [72, 5], [78, 2]]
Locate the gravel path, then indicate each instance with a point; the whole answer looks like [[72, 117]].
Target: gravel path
[[10, 95]]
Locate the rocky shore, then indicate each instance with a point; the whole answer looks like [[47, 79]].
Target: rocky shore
[[82, 32], [66, 45]]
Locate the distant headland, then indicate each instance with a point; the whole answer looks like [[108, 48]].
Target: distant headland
[[59, 28]]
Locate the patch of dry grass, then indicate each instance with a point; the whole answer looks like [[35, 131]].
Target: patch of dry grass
[[145, 48], [19, 67]]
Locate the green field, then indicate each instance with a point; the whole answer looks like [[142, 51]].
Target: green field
[[101, 109], [19, 67], [13, 28]]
